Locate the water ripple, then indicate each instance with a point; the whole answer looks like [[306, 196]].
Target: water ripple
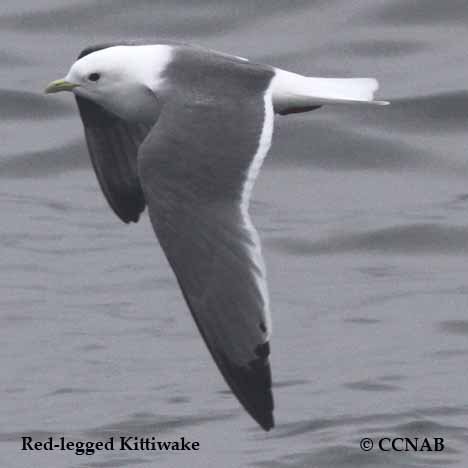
[[410, 239]]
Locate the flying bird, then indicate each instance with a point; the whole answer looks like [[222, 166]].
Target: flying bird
[[184, 130]]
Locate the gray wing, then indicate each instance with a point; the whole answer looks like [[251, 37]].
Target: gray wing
[[113, 146], [193, 168]]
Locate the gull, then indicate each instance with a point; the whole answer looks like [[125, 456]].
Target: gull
[[184, 130]]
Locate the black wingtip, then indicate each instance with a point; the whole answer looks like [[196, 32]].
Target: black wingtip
[[251, 385], [127, 216], [258, 402], [267, 423], [261, 408]]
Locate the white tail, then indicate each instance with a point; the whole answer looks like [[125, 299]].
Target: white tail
[[298, 93]]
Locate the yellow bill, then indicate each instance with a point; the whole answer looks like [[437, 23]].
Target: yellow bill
[[59, 85]]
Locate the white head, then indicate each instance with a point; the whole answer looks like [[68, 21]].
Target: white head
[[122, 79]]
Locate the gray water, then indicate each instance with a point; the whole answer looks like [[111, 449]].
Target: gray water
[[363, 214]]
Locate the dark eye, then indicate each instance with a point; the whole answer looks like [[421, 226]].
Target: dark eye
[[94, 77]]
